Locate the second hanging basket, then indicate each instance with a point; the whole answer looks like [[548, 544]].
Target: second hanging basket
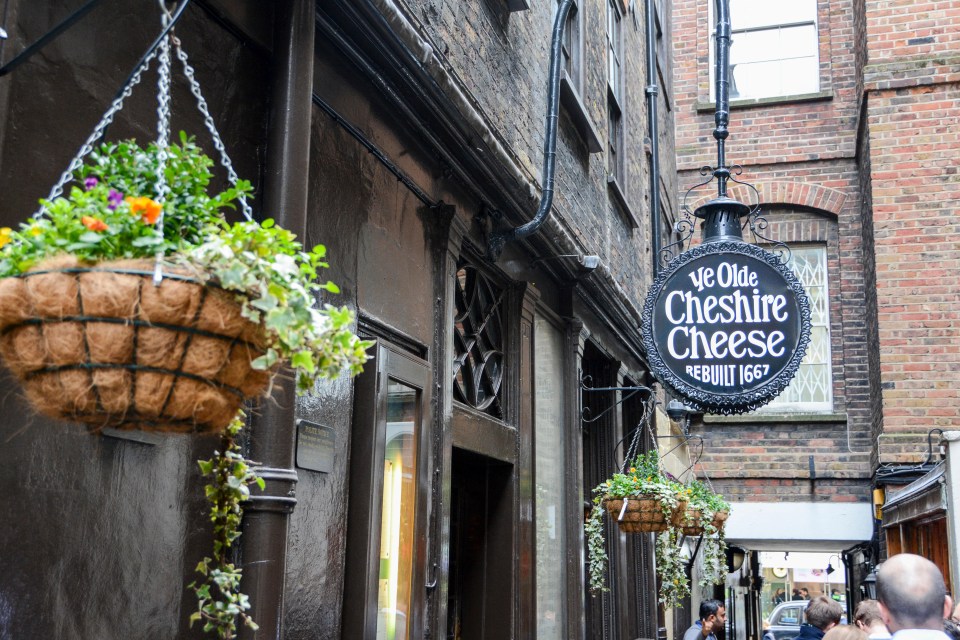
[[642, 513], [103, 346]]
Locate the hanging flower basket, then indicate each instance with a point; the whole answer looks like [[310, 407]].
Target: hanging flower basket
[[644, 513], [118, 310], [102, 345]]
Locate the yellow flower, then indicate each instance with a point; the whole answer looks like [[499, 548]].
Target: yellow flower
[[35, 231], [5, 235], [633, 469]]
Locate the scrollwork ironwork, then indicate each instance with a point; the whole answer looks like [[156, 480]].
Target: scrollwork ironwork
[[478, 341]]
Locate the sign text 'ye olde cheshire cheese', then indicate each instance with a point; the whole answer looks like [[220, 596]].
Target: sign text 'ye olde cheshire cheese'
[[726, 326]]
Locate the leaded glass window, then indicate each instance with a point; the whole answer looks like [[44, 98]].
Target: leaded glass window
[[812, 387], [478, 341]]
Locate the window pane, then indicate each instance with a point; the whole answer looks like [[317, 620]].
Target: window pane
[[396, 527], [747, 14], [811, 388], [549, 465], [756, 80], [800, 76], [798, 42], [754, 46]]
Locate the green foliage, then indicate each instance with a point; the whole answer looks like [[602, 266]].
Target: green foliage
[[219, 601], [113, 212], [596, 549], [703, 498], [708, 503], [276, 284], [645, 476], [671, 569]]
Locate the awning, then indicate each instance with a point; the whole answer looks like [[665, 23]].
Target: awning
[[799, 526], [922, 497]]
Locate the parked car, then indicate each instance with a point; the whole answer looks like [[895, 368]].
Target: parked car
[[785, 619]]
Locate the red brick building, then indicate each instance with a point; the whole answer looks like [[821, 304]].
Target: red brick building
[[843, 116]]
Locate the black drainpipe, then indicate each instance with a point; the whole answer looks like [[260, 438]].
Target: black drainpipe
[[499, 239], [653, 90], [264, 540]]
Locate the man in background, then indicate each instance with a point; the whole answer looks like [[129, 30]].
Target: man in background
[[713, 615], [822, 614], [913, 598], [867, 617]]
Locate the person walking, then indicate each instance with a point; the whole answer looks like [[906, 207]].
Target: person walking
[[913, 598], [867, 617], [713, 615], [822, 614]]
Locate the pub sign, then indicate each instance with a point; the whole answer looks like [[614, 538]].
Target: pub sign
[[725, 326]]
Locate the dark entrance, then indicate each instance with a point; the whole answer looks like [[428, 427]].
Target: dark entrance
[[480, 600]]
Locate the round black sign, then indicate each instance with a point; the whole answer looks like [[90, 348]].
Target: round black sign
[[726, 326]]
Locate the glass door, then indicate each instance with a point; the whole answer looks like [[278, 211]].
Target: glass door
[[383, 588]]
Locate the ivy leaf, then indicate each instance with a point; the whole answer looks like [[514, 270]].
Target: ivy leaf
[[265, 303], [303, 360]]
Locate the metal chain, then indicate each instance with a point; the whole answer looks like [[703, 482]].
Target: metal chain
[[105, 121], [211, 127], [644, 421], [163, 135]]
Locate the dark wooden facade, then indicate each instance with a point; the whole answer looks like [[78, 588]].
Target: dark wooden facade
[[425, 130]]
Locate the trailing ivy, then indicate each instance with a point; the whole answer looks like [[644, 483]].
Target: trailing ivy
[[596, 547], [219, 601]]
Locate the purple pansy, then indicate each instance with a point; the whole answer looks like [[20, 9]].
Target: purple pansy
[[114, 198], [90, 182]]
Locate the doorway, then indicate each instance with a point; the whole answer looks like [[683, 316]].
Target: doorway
[[481, 584]]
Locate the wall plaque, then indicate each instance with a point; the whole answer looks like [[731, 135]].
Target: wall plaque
[[725, 326], [315, 446]]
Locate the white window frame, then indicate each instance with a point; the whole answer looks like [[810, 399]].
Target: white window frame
[[813, 21]]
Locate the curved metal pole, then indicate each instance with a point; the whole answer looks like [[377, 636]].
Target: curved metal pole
[[722, 84], [499, 239]]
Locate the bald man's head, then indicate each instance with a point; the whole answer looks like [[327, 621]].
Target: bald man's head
[[911, 592]]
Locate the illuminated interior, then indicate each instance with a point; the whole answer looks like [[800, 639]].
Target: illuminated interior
[[397, 515]]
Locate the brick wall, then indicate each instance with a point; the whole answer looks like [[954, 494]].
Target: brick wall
[[801, 156], [502, 60], [913, 105]]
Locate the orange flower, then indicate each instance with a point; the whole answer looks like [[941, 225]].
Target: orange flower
[[94, 224], [150, 208]]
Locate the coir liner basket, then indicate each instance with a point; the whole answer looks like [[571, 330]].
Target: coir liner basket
[[104, 346]]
